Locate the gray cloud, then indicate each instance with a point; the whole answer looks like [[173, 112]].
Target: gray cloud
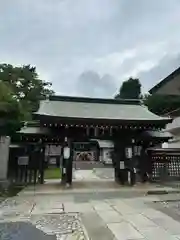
[[91, 84], [65, 38], [160, 71]]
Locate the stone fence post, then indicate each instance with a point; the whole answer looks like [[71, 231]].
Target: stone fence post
[[4, 158]]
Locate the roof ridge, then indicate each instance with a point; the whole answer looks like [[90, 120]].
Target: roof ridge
[[95, 100]]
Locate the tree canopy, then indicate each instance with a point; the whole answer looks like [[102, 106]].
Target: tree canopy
[[11, 114], [130, 89], [25, 84], [20, 93], [160, 104]]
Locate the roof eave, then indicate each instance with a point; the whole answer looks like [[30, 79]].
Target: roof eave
[[94, 100], [50, 117]]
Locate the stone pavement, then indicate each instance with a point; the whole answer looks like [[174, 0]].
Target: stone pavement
[[93, 181], [40, 218], [105, 173], [122, 213], [21, 231]]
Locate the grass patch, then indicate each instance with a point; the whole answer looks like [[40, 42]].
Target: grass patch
[[52, 173]]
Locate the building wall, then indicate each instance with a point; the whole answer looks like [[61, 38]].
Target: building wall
[[174, 129], [4, 157], [170, 88]]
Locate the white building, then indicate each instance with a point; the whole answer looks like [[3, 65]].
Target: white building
[[171, 86], [174, 129]]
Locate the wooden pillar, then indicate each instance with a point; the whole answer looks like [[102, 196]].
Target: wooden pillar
[[67, 160], [130, 157], [117, 158], [63, 168], [111, 131], [42, 159], [96, 131], [123, 163], [87, 131], [69, 164], [62, 164], [116, 166], [122, 166]]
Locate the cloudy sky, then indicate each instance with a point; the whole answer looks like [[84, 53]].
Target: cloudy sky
[[88, 47]]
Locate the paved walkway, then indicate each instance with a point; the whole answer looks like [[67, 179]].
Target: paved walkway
[[92, 181], [85, 175], [124, 213]]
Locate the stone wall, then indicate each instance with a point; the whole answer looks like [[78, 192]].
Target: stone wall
[[4, 157]]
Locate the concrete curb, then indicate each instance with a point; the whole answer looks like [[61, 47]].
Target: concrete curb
[[162, 192]]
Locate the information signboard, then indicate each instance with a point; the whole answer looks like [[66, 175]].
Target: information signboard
[[23, 160]]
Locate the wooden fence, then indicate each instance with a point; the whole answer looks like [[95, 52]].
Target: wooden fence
[[165, 164], [26, 165]]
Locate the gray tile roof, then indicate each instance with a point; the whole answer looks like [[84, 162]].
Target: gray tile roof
[[96, 110], [158, 134], [174, 126]]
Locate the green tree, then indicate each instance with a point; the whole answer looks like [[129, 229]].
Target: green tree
[[11, 114], [161, 104], [26, 86], [20, 93], [130, 89]]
